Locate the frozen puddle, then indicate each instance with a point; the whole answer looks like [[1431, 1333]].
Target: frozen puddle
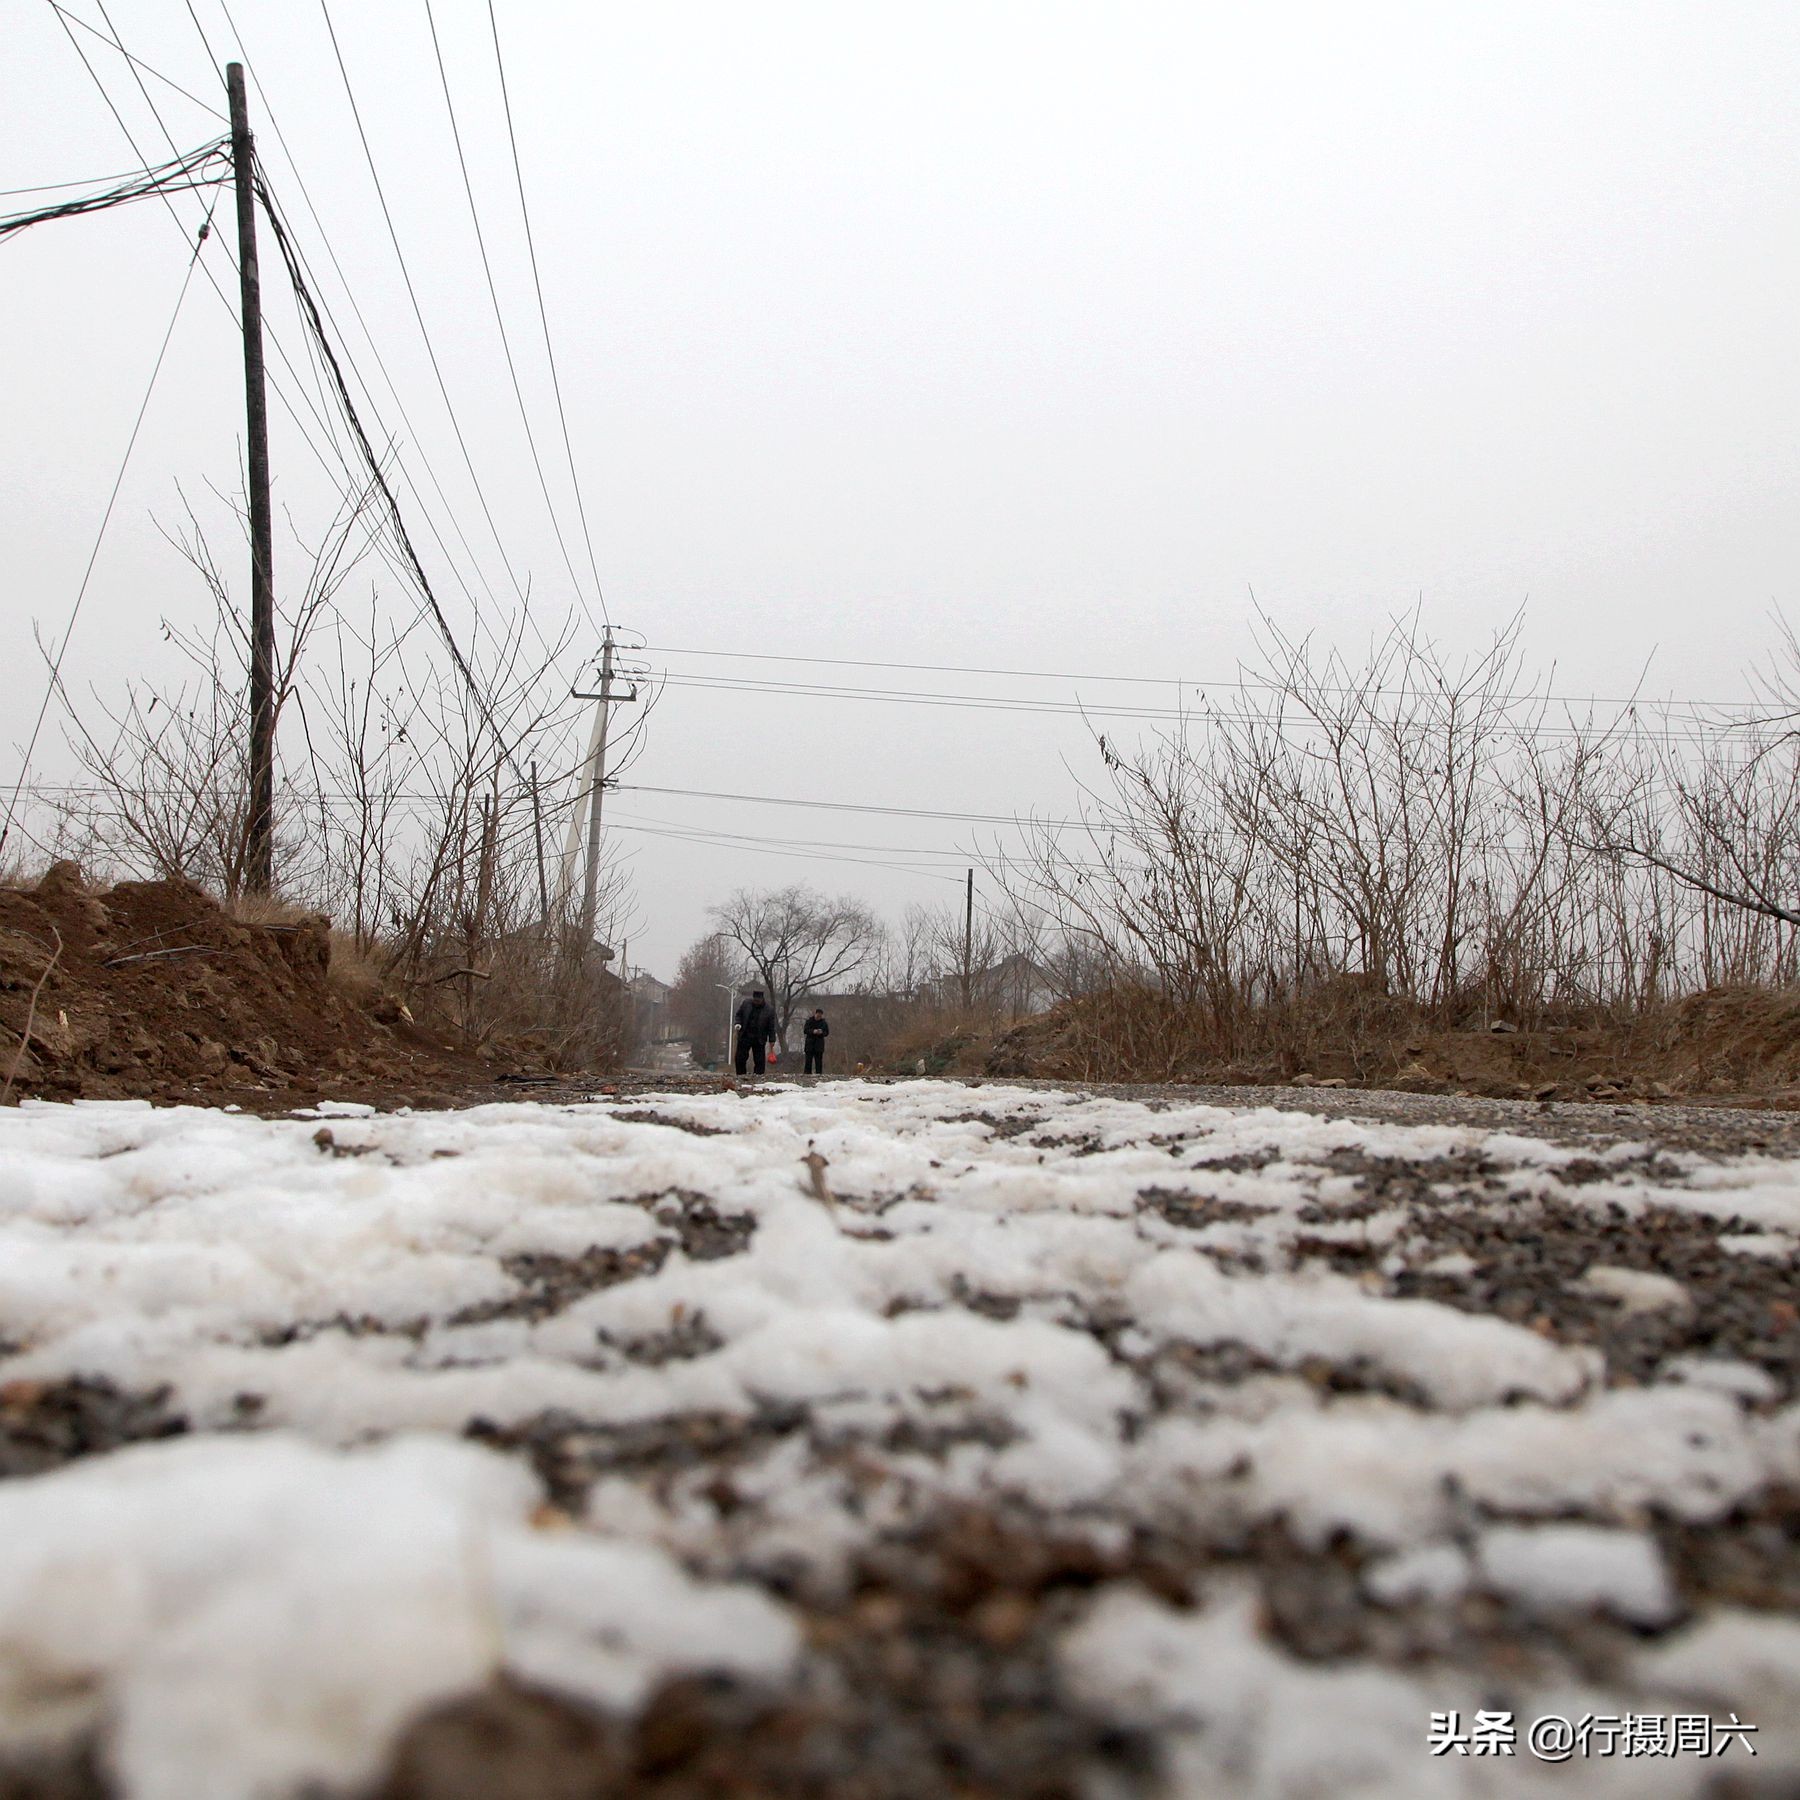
[[1123, 1448]]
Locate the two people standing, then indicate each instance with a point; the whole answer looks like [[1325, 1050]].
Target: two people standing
[[758, 1027]]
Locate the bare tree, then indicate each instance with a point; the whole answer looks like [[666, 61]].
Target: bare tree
[[697, 1007], [988, 967], [797, 941]]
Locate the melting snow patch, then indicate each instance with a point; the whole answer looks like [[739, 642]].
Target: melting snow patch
[[1749, 1661], [1771, 1244], [247, 1615], [1577, 1568], [1637, 1290], [1431, 1572]]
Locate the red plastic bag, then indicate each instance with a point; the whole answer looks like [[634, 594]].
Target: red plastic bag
[[774, 1055]]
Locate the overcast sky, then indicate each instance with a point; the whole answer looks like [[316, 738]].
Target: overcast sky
[[1030, 336]]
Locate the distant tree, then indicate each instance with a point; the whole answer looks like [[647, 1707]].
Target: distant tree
[[989, 965], [696, 1007], [798, 942]]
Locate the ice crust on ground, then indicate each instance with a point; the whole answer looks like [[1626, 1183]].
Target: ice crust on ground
[[361, 1295]]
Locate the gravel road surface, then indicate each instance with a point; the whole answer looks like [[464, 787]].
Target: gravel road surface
[[900, 1438]]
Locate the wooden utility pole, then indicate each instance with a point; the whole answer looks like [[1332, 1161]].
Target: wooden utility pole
[[259, 874]]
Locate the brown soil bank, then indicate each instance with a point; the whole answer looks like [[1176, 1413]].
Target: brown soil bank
[[1730, 1045], [157, 993]]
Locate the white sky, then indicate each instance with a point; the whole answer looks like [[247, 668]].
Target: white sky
[[1025, 335]]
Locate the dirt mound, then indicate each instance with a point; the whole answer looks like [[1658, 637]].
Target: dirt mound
[[1057, 1045], [158, 993], [1746, 1037]]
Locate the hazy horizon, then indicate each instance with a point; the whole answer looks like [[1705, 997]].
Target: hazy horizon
[[1000, 337]]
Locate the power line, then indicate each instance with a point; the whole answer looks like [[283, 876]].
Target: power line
[[62, 187], [430, 348], [175, 218], [912, 853], [205, 42], [379, 475], [437, 485], [849, 662], [1090, 675], [231, 311], [415, 798], [137, 62], [1099, 824], [350, 294], [412, 295], [100, 535], [910, 697], [487, 270], [396, 555], [902, 856], [319, 419], [735, 845], [793, 843], [280, 349], [897, 812], [1298, 721], [544, 317], [184, 174]]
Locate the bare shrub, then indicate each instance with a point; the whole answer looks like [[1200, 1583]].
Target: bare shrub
[[409, 801], [1423, 835]]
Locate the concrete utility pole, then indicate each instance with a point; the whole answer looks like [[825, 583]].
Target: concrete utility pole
[[596, 793], [260, 836], [590, 890]]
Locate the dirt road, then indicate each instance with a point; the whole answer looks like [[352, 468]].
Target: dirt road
[[901, 1438]]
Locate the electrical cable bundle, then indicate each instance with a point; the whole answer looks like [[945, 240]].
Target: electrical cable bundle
[[203, 168]]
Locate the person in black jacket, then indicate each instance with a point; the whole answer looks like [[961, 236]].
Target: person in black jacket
[[815, 1031], [756, 1030]]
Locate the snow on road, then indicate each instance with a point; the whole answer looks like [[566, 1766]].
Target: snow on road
[[1357, 1422]]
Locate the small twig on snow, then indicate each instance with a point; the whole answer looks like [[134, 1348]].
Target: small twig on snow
[[815, 1166]]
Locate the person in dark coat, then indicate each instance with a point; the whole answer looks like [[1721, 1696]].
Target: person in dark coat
[[815, 1031], [756, 1030]]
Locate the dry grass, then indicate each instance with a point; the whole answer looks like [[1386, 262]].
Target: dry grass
[[1133, 1033], [1728, 1042], [23, 869], [266, 909], [355, 971], [938, 1041], [518, 997]]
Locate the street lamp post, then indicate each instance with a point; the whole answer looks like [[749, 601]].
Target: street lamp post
[[730, 1013]]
